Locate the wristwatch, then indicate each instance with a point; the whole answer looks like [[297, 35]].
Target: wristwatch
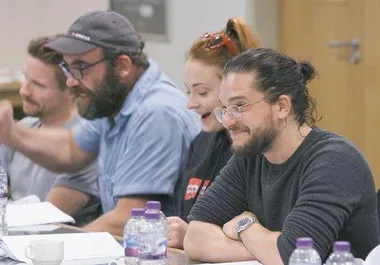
[[244, 224]]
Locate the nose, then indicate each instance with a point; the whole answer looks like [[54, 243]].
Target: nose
[[228, 122], [25, 90], [192, 103], [71, 81]]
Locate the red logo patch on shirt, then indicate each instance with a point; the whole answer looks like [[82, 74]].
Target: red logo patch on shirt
[[193, 186]]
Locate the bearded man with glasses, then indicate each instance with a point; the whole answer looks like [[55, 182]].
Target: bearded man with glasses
[[288, 178], [137, 122]]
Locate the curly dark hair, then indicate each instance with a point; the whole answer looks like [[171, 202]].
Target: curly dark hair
[[276, 75]]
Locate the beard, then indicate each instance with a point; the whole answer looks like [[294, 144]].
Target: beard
[[258, 143], [107, 98], [34, 111]]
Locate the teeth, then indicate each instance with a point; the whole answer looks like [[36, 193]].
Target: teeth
[[206, 114]]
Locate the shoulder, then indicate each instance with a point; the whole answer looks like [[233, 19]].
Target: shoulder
[[332, 158], [325, 144], [166, 107]]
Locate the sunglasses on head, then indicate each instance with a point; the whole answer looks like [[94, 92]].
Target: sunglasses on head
[[219, 40]]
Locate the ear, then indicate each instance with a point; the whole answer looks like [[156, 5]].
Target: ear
[[123, 66], [283, 106]]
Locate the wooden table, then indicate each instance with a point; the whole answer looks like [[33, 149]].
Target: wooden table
[[175, 256], [10, 91]]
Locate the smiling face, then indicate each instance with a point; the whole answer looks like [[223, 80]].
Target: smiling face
[[256, 131], [102, 91], [40, 94], [202, 82]]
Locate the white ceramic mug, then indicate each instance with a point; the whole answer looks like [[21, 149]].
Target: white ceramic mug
[[45, 252], [117, 261]]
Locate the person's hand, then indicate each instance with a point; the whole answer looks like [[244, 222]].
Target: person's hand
[[176, 232], [6, 120], [229, 228]]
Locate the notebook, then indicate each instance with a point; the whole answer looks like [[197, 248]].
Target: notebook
[[39, 213], [77, 246]]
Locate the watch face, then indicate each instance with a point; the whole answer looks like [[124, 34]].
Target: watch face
[[243, 222]]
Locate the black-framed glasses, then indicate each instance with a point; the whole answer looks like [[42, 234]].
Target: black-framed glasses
[[233, 111], [77, 71], [219, 40]]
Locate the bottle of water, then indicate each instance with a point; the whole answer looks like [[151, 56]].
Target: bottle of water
[[341, 255], [156, 206], [305, 254], [3, 202], [131, 236], [153, 240]]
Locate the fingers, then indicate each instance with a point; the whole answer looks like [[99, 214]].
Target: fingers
[[176, 232], [173, 219], [6, 120], [176, 241], [6, 110]]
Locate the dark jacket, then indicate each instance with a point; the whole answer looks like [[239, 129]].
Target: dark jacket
[[208, 154]]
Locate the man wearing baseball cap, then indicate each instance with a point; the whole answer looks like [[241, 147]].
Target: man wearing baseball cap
[[137, 122]]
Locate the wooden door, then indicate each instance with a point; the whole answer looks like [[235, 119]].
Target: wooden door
[[347, 93]]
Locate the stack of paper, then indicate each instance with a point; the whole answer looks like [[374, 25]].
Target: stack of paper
[[77, 246], [35, 214], [235, 263]]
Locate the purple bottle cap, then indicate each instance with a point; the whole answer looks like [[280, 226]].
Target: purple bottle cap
[[138, 212], [304, 242], [155, 205], [152, 215], [342, 246]]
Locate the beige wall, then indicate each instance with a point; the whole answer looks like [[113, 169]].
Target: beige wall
[[21, 20]]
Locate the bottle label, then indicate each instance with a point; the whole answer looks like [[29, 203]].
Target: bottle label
[[156, 249], [131, 246]]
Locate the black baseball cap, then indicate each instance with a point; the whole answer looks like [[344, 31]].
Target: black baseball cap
[[106, 29]]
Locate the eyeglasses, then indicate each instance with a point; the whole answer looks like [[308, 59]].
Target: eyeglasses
[[77, 71], [219, 40], [233, 111]]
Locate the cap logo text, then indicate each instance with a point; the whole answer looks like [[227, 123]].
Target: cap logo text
[[80, 36]]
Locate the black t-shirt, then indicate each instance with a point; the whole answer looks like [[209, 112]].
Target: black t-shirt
[[208, 154], [325, 190]]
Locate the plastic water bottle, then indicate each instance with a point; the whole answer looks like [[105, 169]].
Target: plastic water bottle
[[153, 240], [341, 255], [3, 202], [156, 206], [305, 254], [131, 236]]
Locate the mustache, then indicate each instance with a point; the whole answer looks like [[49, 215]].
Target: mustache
[[237, 128], [29, 100], [81, 92]]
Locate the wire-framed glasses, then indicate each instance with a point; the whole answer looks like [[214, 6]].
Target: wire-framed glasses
[[234, 112], [77, 71]]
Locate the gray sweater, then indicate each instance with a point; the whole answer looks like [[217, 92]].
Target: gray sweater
[[325, 190]]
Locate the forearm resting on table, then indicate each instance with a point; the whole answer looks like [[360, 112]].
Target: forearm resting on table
[[262, 243], [113, 221], [51, 148], [207, 242], [109, 222], [68, 200]]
